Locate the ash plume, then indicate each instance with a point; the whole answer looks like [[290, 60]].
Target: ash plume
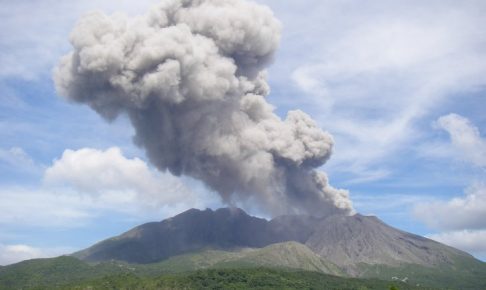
[[190, 75]]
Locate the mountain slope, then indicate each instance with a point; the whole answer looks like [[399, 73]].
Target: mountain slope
[[288, 255], [366, 247], [190, 231], [291, 255], [350, 240], [462, 274], [343, 240], [359, 246]]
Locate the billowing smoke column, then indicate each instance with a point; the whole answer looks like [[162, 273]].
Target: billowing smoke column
[[190, 75]]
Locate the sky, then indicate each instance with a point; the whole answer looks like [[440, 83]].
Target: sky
[[400, 85]]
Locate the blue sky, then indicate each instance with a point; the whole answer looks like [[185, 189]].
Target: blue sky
[[400, 86]]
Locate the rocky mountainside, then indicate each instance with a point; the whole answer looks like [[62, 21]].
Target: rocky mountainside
[[287, 255], [189, 231], [351, 240], [358, 246], [230, 241], [193, 230]]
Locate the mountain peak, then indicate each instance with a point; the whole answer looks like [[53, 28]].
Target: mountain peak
[[224, 211], [344, 240]]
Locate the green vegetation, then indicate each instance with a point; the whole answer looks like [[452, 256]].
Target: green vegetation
[[289, 255], [256, 278], [55, 271], [71, 273], [463, 274], [65, 270], [243, 269]]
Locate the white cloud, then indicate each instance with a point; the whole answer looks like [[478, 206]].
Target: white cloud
[[86, 183], [43, 208], [465, 138], [468, 212], [33, 33], [386, 204], [17, 159], [373, 72], [435, 150], [470, 241], [109, 175], [81, 188], [10, 254], [462, 220], [367, 175]]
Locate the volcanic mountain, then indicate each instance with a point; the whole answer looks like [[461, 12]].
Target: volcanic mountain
[[229, 247], [357, 245]]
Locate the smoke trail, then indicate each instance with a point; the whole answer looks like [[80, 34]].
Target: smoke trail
[[191, 76]]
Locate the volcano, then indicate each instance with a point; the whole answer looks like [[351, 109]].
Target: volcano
[[198, 248], [346, 245]]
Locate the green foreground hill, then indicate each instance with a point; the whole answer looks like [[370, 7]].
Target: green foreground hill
[[249, 278], [463, 274], [289, 265], [64, 270], [71, 273]]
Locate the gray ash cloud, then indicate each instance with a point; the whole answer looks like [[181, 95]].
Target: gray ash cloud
[[191, 77]]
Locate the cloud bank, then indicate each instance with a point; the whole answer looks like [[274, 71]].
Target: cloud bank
[[461, 220], [470, 241], [17, 159], [377, 71], [10, 254], [465, 138], [191, 77], [468, 212], [102, 173], [84, 183]]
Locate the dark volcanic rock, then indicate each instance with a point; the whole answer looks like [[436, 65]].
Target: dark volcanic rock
[[192, 230], [343, 240], [293, 228]]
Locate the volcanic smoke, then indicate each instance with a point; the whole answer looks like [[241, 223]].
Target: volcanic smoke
[[190, 75]]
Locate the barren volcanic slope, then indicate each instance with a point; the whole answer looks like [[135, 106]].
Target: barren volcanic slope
[[358, 245], [190, 231]]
